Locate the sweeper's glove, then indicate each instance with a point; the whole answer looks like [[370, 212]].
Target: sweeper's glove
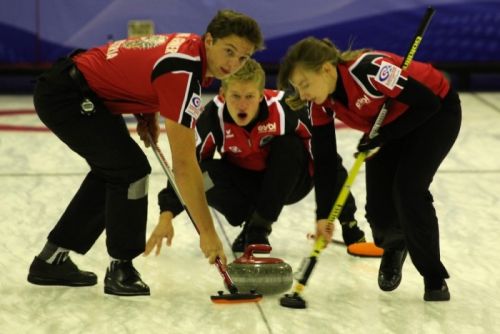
[[366, 144]]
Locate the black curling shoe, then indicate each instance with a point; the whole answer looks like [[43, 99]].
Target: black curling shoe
[[255, 231], [239, 243], [65, 273], [257, 235], [122, 279], [351, 233], [390, 271], [250, 236], [436, 292]]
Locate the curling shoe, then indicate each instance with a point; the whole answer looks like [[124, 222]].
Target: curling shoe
[[239, 243], [257, 235], [351, 233], [250, 236], [257, 230], [65, 273], [436, 291], [390, 271], [122, 279]]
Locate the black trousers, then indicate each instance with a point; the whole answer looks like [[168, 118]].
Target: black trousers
[[238, 192], [113, 195], [399, 205]]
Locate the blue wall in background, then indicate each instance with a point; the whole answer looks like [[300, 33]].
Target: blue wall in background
[[464, 35]]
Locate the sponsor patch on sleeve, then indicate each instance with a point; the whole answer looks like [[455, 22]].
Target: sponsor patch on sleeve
[[194, 108], [388, 74]]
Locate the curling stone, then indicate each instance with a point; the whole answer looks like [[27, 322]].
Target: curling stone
[[266, 275]]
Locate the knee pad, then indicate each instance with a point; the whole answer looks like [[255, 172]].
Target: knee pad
[[138, 189], [207, 182]]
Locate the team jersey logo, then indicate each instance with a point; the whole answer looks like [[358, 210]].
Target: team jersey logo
[[113, 49], [364, 71], [194, 108], [362, 101], [175, 43], [145, 42], [268, 127], [388, 74]]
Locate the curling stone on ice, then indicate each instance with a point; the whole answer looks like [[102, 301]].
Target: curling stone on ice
[[266, 275]]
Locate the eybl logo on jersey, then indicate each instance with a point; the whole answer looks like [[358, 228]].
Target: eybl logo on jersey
[[194, 108], [268, 127], [388, 74]]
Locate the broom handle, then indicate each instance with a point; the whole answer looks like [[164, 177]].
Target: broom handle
[[320, 243], [163, 162], [410, 54]]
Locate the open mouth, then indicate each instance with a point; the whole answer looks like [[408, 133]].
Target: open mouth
[[242, 116]]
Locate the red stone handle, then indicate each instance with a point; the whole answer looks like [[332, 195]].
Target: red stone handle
[[262, 248]]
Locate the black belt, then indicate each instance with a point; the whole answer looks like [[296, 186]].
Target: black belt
[[79, 80]]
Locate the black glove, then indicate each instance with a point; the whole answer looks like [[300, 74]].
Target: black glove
[[366, 144]]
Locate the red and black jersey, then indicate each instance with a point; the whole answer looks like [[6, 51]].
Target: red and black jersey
[[158, 73], [369, 82], [364, 86], [247, 147]]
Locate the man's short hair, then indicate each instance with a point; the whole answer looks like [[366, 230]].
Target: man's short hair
[[228, 22], [251, 71]]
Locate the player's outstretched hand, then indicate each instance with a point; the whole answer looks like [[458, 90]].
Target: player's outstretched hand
[[163, 229]]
